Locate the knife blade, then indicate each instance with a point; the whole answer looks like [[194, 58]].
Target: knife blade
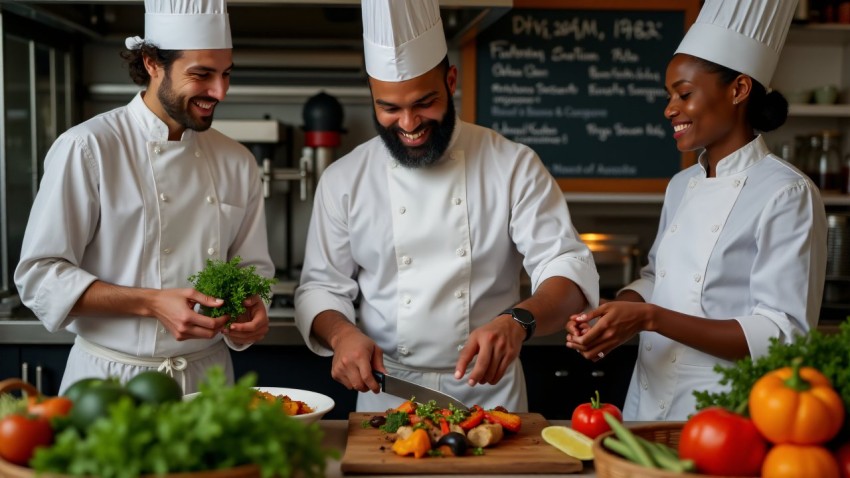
[[405, 389]]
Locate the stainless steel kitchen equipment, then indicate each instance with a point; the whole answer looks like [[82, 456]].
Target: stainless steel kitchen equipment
[[837, 286], [616, 258]]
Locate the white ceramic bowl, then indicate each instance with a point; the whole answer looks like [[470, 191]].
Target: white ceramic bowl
[[321, 404]]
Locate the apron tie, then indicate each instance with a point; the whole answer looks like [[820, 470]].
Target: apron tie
[[170, 364]]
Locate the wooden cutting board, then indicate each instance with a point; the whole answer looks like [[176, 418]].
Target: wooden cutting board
[[368, 451]]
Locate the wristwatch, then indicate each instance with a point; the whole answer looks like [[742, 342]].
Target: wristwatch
[[525, 319]]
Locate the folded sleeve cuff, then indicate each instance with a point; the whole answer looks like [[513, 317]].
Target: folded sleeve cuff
[[643, 287], [311, 302], [584, 275], [763, 325], [55, 298]]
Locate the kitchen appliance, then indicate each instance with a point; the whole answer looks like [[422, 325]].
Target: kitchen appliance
[[323, 117], [616, 258], [414, 391]]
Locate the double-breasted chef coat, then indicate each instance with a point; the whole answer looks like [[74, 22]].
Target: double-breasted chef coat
[[433, 253], [121, 203], [749, 245]]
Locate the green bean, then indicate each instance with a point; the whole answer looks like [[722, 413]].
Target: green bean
[[619, 447], [641, 456]]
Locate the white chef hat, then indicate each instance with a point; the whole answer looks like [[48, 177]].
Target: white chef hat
[[402, 39], [744, 35], [185, 25]]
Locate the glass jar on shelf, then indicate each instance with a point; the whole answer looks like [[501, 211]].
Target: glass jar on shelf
[[810, 164], [829, 163]]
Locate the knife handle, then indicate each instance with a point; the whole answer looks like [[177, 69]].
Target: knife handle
[[379, 377]]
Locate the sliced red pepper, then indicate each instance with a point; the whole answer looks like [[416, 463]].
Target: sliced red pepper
[[444, 426], [509, 421], [476, 416]]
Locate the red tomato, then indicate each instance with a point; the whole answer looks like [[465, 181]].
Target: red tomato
[[20, 436], [587, 417], [723, 443], [842, 456], [48, 408]]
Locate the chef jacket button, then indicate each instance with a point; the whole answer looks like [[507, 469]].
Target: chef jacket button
[[211, 251], [157, 149], [645, 385], [407, 301], [715, 228], [458, 294], [403, 350], [394, 165], [460, 252], [662, 405], [163, 197], [673, 359], [460, 347], [197, 154], [167, 250], [691, 184], [405, 260], [457, 201], [662, 273], [697, 277], [160, 329], [674, 228], [648, 346], [210, 199], [402, 210], [736, 183], [452, 156]]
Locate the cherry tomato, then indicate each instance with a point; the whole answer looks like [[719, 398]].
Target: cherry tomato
[[48, 408], [842, 456], [723, 443], [20, 436], [588, 419]]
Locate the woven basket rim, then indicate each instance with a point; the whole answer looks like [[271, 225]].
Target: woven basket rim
[[633, 470]]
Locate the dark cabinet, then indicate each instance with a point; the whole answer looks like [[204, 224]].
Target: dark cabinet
[[559, 379], [40, 365], [295, 366]]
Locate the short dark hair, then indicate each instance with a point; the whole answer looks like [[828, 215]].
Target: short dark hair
[[767, 110], [136, 61]]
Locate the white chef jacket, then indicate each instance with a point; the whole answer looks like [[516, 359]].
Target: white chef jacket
[[121, 203], [749, 245], [433, 253]]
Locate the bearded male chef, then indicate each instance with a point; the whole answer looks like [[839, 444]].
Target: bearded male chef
[[429, 224], [135, 200]]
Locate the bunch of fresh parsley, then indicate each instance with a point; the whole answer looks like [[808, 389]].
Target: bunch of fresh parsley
[[233, 284], [829, 353]]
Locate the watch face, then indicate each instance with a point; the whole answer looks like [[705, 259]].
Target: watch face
[[523, 316]]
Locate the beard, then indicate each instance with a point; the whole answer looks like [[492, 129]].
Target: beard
[[426, 154], [177, 107]]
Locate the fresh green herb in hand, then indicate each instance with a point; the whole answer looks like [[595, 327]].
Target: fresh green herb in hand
[[233, 284]]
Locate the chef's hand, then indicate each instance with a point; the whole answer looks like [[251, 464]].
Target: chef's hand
[[496, 344], [618, 321], [355, 356], [252, 326], [175, 309]]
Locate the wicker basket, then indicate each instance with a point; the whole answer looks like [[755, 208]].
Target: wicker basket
[[9, 470], [611, 465]]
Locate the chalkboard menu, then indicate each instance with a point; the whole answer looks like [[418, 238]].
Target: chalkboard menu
[[583, 87]]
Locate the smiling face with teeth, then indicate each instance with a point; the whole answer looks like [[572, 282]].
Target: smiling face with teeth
[[416, 118], [706, 109], [188, 91]]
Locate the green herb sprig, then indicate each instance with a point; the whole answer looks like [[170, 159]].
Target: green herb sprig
[[233, 284]]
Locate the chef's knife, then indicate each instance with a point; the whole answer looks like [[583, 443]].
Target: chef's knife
[[404, 389]]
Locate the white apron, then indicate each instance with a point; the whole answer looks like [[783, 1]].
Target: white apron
[[667, 372]]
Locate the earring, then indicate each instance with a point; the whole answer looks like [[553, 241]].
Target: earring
[[735, 101]]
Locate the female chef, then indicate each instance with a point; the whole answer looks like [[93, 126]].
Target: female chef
[[740, 254]]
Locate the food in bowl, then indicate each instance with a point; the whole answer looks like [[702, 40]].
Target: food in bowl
[[289, 406]]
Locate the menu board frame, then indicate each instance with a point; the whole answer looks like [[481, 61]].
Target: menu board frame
[[468, 57]]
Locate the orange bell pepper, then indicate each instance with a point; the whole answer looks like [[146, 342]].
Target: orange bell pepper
[[476, 416], [407, 407], [509, 421], [796, 405], [418, 444], [797, 461]]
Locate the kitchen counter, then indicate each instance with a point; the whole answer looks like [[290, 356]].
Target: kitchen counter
[[335, 437]]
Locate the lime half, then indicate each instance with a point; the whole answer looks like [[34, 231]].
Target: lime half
[[569, 441]]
